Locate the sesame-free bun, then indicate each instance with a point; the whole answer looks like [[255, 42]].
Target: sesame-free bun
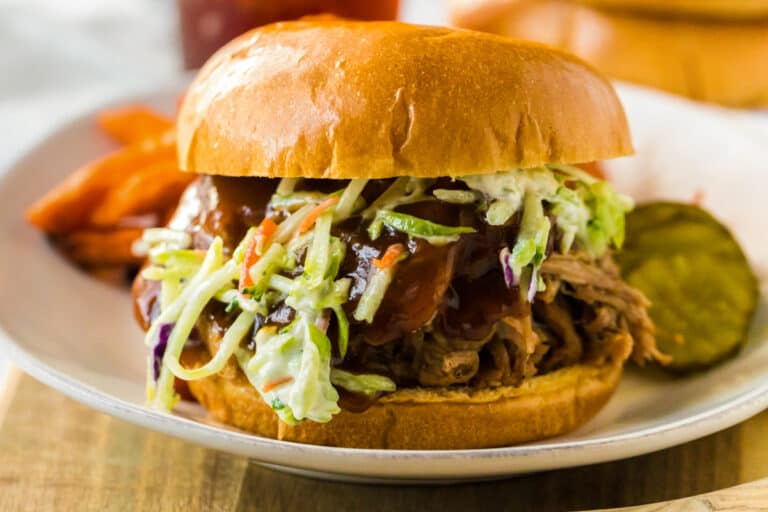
[[425, 418], [339, 99], [719, 61]]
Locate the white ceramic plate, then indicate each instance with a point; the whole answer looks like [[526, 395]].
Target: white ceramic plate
[[78, 335]]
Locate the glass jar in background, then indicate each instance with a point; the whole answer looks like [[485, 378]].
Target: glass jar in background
[[206, 25]]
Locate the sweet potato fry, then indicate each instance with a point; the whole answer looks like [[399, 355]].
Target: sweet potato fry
[[152, 189], [101, 247], [134, 123], [69, 206]]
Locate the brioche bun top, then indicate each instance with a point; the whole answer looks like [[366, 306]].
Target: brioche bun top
[[336, 99]]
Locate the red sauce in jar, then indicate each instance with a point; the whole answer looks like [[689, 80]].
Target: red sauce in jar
[[206, 25]]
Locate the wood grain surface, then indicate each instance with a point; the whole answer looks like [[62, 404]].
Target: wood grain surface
[[749, 497], [56, 454]]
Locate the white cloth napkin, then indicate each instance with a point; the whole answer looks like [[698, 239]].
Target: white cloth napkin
[[688, 150]]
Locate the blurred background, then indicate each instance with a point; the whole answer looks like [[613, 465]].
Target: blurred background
[[709, 50]]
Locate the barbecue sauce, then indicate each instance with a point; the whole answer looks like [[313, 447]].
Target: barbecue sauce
[[458, 286]]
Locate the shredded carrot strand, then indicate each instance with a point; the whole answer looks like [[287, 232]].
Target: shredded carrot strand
[[269, 386], [249, 259], [267, 228], [391, 256], [255, 249], [312, 216]]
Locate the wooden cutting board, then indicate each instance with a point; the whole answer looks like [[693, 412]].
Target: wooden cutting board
[[56, 454]]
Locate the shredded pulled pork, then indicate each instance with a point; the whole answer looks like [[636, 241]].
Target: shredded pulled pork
[[612, 304], [587, 313]]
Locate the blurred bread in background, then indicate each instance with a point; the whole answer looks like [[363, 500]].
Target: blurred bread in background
[[714, 9], [709, 50]]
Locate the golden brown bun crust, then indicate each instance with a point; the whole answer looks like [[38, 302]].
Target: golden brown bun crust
[[422, 419], [714, 9], [720, 62], [337, 99], [477, 14]]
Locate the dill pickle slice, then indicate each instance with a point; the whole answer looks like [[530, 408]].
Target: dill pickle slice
[[702, 290], [666, 228]]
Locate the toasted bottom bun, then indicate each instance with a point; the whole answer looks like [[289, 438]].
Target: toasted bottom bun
[[425, 419], [708, 60]]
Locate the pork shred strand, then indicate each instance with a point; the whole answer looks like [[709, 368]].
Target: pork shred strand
[[586, 313], [614, 305]]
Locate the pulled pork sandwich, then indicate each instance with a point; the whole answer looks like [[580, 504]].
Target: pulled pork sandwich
[[387, 246]]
